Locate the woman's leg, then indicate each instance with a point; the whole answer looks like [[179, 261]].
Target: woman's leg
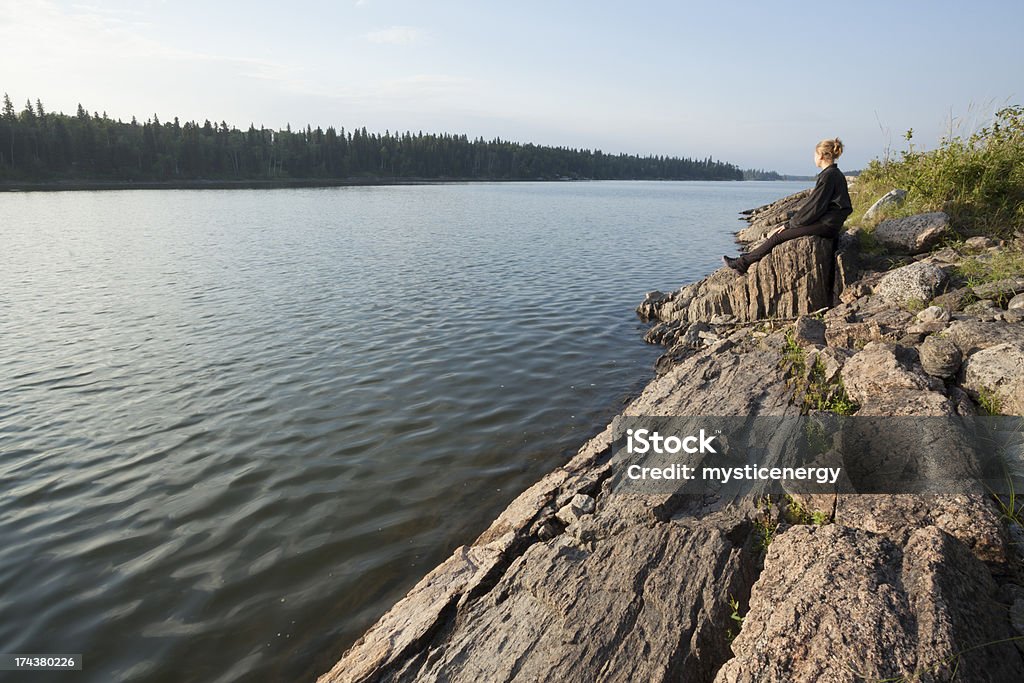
[[818, 229]]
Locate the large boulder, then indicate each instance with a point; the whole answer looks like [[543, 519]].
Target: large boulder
[[913, 234], [891, 198], [917, 282], [794, 279], [997, 375], [564, 612], [886, 384]]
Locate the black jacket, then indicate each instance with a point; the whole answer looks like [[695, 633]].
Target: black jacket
[[829, 202]]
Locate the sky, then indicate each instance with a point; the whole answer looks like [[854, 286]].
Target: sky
[[753, 83]]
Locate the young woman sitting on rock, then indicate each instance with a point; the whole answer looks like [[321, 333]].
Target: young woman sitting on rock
[[822, 214]]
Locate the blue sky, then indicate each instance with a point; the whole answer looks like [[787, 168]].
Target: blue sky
[[753, 83]]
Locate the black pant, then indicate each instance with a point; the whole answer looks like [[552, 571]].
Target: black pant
[[786, 234]]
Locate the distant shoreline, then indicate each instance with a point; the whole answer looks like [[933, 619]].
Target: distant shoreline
[[79, 185], [281, 183]]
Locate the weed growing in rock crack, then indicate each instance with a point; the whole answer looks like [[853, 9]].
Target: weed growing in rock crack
[[812, 388], [798, 514], [915, 305], [898, 262], [957, 244], [869, 244], [989, 401], [793, 354], [734, 604], [1011, 509], [839, 402], [818, 438], [764, 534]]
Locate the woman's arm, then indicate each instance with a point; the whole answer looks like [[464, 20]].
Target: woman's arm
[[817, 202]]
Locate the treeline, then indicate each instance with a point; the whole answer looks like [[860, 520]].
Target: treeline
[[39, 145], [761, 174]]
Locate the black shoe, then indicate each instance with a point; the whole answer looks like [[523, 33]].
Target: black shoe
[[735, 264]]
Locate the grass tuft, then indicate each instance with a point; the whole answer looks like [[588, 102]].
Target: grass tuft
[[989, 401], [810, 387], [978, 269]]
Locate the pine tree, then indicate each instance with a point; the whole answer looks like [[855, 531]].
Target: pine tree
[[11, 119], [28, 114]]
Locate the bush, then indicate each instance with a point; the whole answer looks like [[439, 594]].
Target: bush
[[979, 181]]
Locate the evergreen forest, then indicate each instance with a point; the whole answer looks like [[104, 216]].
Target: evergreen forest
[[38, 145]]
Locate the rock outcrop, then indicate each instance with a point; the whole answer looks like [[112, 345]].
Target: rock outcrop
[[841, 604], [535, 599], [575, 581], [794, 279], [765, 219]]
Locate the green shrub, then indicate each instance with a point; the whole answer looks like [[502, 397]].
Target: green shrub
[[796, 513], [979, 180]]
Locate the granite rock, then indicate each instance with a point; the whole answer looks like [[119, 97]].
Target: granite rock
[[999, 371], [916, 282], [913, 234], [841, 604]]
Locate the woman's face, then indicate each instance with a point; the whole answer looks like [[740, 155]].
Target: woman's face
[[819, 160]]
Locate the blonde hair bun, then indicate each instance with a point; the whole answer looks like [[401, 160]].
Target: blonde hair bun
[[830, 148]]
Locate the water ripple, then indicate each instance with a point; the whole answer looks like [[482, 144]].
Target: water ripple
[[236, 426]]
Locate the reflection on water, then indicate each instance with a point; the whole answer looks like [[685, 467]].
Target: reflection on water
[[235, 426]]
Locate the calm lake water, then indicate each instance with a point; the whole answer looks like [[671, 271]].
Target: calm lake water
[[236, 426]]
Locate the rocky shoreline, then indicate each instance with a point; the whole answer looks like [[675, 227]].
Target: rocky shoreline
[[574, 583]]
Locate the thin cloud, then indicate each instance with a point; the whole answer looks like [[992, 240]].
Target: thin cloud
[[396, 35]]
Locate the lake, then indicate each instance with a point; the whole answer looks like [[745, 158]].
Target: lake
[[236, 426]]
